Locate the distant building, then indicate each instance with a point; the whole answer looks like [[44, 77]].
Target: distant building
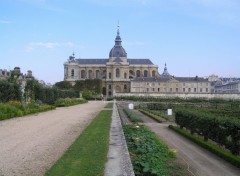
[[4, 73], [116, 72], [15, 74], [170, 84], [227, 87]]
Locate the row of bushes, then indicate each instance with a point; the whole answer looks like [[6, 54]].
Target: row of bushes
[[161, 103], [153, 116], [64, 102], [212, 148], [34, 91], [16, 109], [224, 130], [132, 116]]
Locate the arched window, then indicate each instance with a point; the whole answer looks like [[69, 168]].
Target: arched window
[[83, 74], [72, 72], [104, 74], [125, 75], [117, 73], [98, 75], [131, 74], [145, 73], [109, 75], [153, 73], [90, 74], [138, 73]]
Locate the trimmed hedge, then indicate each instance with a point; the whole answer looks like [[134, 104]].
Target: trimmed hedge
[[225, 130], [65, 102], [132, 116], [16, 109], [153, 116], [210, 147]]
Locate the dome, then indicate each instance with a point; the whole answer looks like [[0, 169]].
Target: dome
[[118, 50]]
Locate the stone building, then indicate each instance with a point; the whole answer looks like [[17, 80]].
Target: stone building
[[116, 72], [230, 87], [166, 83]]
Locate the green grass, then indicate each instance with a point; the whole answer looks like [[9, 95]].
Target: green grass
[[109, 105], [88, 154], [149, 155]]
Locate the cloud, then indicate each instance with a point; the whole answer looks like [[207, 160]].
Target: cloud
[[49, 45]]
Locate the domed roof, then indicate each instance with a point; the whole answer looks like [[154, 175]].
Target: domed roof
[[165, 72], [118, 50]]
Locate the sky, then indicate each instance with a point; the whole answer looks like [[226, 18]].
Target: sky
[[193, 37]]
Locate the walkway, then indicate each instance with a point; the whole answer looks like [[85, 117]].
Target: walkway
[[30, 145]]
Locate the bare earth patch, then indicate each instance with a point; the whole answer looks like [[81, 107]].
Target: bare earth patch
[[30, 145]]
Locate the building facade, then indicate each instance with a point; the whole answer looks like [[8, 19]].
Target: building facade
[[166, 83], [116, 72]]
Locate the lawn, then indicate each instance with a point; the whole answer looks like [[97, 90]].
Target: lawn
[[88, 154]]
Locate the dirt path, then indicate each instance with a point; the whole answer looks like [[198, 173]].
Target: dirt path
[[200, 161], [30, 145]]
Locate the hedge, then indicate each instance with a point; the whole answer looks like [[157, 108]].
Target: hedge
[[210, 147]]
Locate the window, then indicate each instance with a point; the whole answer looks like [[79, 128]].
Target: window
[[98, 75], [189, 89], [145, 73], [170, 89], [90, 74], [72, 72], [176, 89], [153, 73], [125, 75], [206, 89], [83, 74], [109, 86], [147, 89], [200, 89], [158, 89], [183, 89], [195, 89], [138, 73], [104, 74], [117, 73], [153, 89], [109, 75], [125, 86]]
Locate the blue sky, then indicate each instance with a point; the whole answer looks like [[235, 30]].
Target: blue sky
[[194, 37]]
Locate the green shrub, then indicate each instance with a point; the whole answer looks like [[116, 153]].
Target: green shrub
[[132, 116], [149, 155], [212, 148]]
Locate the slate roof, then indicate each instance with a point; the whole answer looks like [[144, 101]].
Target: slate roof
[[140, 62], [104, 61], [92, 61]]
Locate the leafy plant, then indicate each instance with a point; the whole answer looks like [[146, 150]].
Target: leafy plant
[[149, 155]]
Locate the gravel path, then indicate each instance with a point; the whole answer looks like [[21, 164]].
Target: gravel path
[[30, 145], [200, 161]]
